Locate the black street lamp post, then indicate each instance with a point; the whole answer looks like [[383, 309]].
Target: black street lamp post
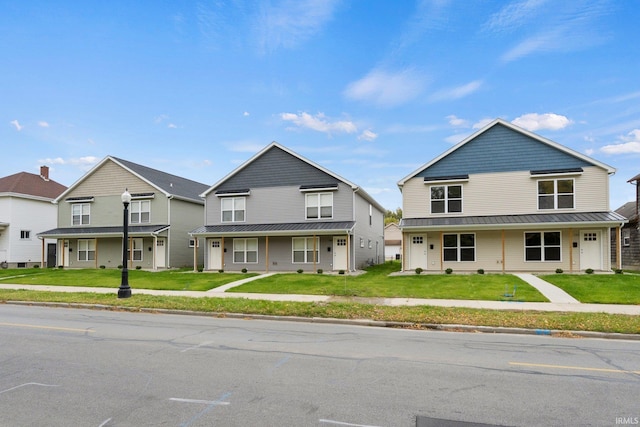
[[125, 290]]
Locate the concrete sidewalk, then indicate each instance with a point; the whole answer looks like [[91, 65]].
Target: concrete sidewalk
[[560, 300]]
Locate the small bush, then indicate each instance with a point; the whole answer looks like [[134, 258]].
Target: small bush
[[449, 270], [341, 272], [61, 267], [320, 271], [244, 270], [589, 271], [559, 271], [138, 267], [102, 267], [300, 271], [619, 271], [481, 271], [36, 266], [200, 269], [221, 271], [418, 270], [120, 266]]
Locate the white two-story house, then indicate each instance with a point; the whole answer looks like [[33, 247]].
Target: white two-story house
[[506, 199]]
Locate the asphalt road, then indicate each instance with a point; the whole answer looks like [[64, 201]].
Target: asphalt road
[[70, 367]]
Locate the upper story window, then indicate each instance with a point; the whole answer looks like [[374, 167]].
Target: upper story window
[[233, 209], [319, 205], [140, 211], [556, 194], [446, 199], [25, 235], [80, 214]]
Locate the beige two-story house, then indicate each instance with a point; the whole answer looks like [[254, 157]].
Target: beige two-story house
[[506, 199], [163, 209], [281, 212]]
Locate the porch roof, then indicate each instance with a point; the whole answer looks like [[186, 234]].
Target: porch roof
[[498, 222], [112, 231], [280, 229]]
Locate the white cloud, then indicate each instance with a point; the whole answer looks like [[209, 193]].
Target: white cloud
[[245, 114], [535, 121], [172, 126], [16, 125], [630, 144], [368, 135], [514, 15], [454, 139], [386, 89], [457, 92], [50, 161], [319, 123], [43, 124], [456, 121], [482, 123]]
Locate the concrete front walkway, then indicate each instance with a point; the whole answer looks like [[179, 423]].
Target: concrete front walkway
[[551, 292]]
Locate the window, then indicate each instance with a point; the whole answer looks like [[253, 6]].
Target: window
[[80, 213], [370, 214], [417, 240], [140, 211], [319, 205], [626, 237], [555, 194], [136, 249], [245, 251], [361, 242], [25, 235], [306, 249], [370, 244], [86, 250], [542, 246], [233, 209], [459, 247], [446, 199]]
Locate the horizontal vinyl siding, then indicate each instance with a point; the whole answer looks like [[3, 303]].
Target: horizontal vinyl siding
[[110, 179], [373, 232], [273, 205], [509, 193]]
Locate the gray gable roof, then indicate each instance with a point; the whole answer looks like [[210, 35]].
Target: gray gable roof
[[504, 147], [170, 185]]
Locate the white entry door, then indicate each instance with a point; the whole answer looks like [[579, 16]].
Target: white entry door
[[340, 253], [161, 253], [590, 250], [215, 254], [417, 251], [65, 253]]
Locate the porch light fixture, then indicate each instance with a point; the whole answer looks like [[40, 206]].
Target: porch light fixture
[[125, 290]]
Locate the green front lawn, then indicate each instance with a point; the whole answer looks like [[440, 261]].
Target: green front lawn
[[178, 280], [377, 283], [599, 288]]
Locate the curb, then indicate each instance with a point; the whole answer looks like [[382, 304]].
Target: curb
[[354, 322]]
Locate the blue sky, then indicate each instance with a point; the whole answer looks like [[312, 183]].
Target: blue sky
[[368, 89]]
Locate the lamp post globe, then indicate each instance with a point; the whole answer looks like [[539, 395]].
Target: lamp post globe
[[125, 290]]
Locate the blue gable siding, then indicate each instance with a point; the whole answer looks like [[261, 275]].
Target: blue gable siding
[[501, 149]]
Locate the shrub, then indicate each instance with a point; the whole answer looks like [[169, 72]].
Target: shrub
[[138, 267], [103, 267], [589, 271], [221, 271], [200, 269], [618, 271], [481, 271], [320, 271], [418, 270], [559, 271], [300, 271], [244, 270], [341, 272], [449, 270], [120, 266], [61, 267], [36, 266]]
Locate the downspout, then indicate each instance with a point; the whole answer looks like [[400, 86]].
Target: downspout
[[168, 251]]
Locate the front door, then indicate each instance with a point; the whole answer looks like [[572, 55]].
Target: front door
[[65, 253], [215, 254], [340, 253], [161, 253], [590, 250], [51, 255], [417, 251]]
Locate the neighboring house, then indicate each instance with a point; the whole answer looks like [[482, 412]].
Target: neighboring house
[[163, 209], [506, 199], [392, 241], [281, 212], [630, 238], [26, 210]]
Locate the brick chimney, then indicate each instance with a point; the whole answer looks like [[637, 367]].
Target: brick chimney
[[44, 172]]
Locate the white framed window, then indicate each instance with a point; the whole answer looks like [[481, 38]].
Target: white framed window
[[556, 194], [370, 246], [446, 199], [140, 211], [543, 246], [194, 243], [319, 205], [25, 235], [459, 247], [136, 249], [245, 251], [626, 237], [305, 250], [233, 209], [361, 242], [86, 249], [81, 214]]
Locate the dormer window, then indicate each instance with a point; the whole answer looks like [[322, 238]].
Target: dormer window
[[319, 205]]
